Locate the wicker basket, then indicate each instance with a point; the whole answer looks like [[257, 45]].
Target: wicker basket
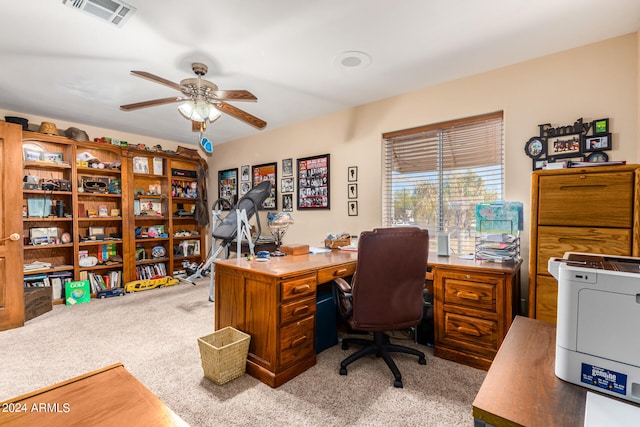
[[224, 354]]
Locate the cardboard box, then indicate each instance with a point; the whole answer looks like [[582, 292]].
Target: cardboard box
[[37, 301], [295, 249], [77, 292]]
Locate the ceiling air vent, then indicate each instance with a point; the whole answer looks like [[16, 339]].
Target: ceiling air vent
[[114, 12]]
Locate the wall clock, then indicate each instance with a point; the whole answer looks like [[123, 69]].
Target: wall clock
[[535, 147]]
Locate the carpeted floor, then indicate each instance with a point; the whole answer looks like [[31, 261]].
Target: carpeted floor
[[154, 334]]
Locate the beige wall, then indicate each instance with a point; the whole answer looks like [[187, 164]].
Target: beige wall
[[595, 81]]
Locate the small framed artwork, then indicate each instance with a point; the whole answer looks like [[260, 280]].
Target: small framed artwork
[[313, 182], [31, 155], [287, 185], [535, 147], [564, 145], [287, 167], [353, 207], [140, 165], [244, 173], [597, 143], [53, 157], [287, 202], [352, 173], [267, 172], [539, 164], [597, 157], [244, 188], [228, 186], [600, 126], [352, 191], [158, 166], [103, 211], [96, 231]]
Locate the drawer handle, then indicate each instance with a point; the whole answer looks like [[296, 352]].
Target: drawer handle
[[299, 310], [340, 272], [468, 295], [468, 331], [301, 288], [298, 341], [583, 187], [584, 241]]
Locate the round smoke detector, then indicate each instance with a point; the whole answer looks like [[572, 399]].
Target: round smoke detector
[[352, 60]]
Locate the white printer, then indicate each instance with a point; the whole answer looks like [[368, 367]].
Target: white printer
[[598, 325]]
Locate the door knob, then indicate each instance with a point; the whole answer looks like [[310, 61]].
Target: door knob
[[13, 237]]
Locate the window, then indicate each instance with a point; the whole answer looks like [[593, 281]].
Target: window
[[435, 175]]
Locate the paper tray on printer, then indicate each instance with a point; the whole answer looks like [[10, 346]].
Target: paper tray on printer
[[625, 264]]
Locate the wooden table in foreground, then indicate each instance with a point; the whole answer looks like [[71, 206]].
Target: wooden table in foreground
[[106, 397], [521, 388]]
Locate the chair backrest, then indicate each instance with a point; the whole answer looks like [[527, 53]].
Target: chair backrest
[[388, 285], [227, 230]]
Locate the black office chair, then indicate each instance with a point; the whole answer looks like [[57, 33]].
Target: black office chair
[[386, 292]]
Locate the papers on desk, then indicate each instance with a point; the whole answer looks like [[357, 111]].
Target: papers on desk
[[317, 250], [604, 411], [349, 248]]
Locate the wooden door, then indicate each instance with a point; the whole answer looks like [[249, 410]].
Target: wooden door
[[11, 255]]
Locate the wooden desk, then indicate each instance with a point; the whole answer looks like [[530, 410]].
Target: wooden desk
[[521, 388], [274, 302], [107, 397]]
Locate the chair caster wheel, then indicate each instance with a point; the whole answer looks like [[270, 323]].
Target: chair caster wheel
[[397, 384], [345, 346], [343, 371], [422, 361]]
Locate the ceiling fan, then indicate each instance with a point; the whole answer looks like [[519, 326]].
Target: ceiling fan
[[202, 100]]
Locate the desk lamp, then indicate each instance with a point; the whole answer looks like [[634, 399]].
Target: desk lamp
[[278, 224]]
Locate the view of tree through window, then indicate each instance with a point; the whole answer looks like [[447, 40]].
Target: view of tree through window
[[434, 176]]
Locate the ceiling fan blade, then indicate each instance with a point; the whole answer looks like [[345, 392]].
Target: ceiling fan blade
[[241, 115], [151, 103], [234, 95], [157, 79]]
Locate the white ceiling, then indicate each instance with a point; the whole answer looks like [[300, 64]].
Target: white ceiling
[[58, 62]]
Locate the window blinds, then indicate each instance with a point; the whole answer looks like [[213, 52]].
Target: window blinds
[[435, 175]]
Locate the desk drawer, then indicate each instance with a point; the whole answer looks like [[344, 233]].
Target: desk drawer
[[298, 287], [555, 241], [297, 340], [594, 199], [471, 333], [297, 310], [328, 274], [477, 291]]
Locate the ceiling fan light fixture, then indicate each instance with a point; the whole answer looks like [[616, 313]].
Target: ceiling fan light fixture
[[186, 109], [214, 114]]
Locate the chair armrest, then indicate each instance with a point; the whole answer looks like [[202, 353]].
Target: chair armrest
[[343, 285]]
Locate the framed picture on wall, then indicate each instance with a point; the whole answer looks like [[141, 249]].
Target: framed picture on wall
[[352, 173], [352, 191], [267, 172], [564, 146], [228, 185], [287, 202], [597, 143], [287, 167], [244, 173], [313, 182]]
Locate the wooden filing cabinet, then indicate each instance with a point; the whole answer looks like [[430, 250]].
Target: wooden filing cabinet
[[591, 210], [474, 304]]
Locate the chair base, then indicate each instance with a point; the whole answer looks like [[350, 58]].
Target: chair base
[[381, 346]]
